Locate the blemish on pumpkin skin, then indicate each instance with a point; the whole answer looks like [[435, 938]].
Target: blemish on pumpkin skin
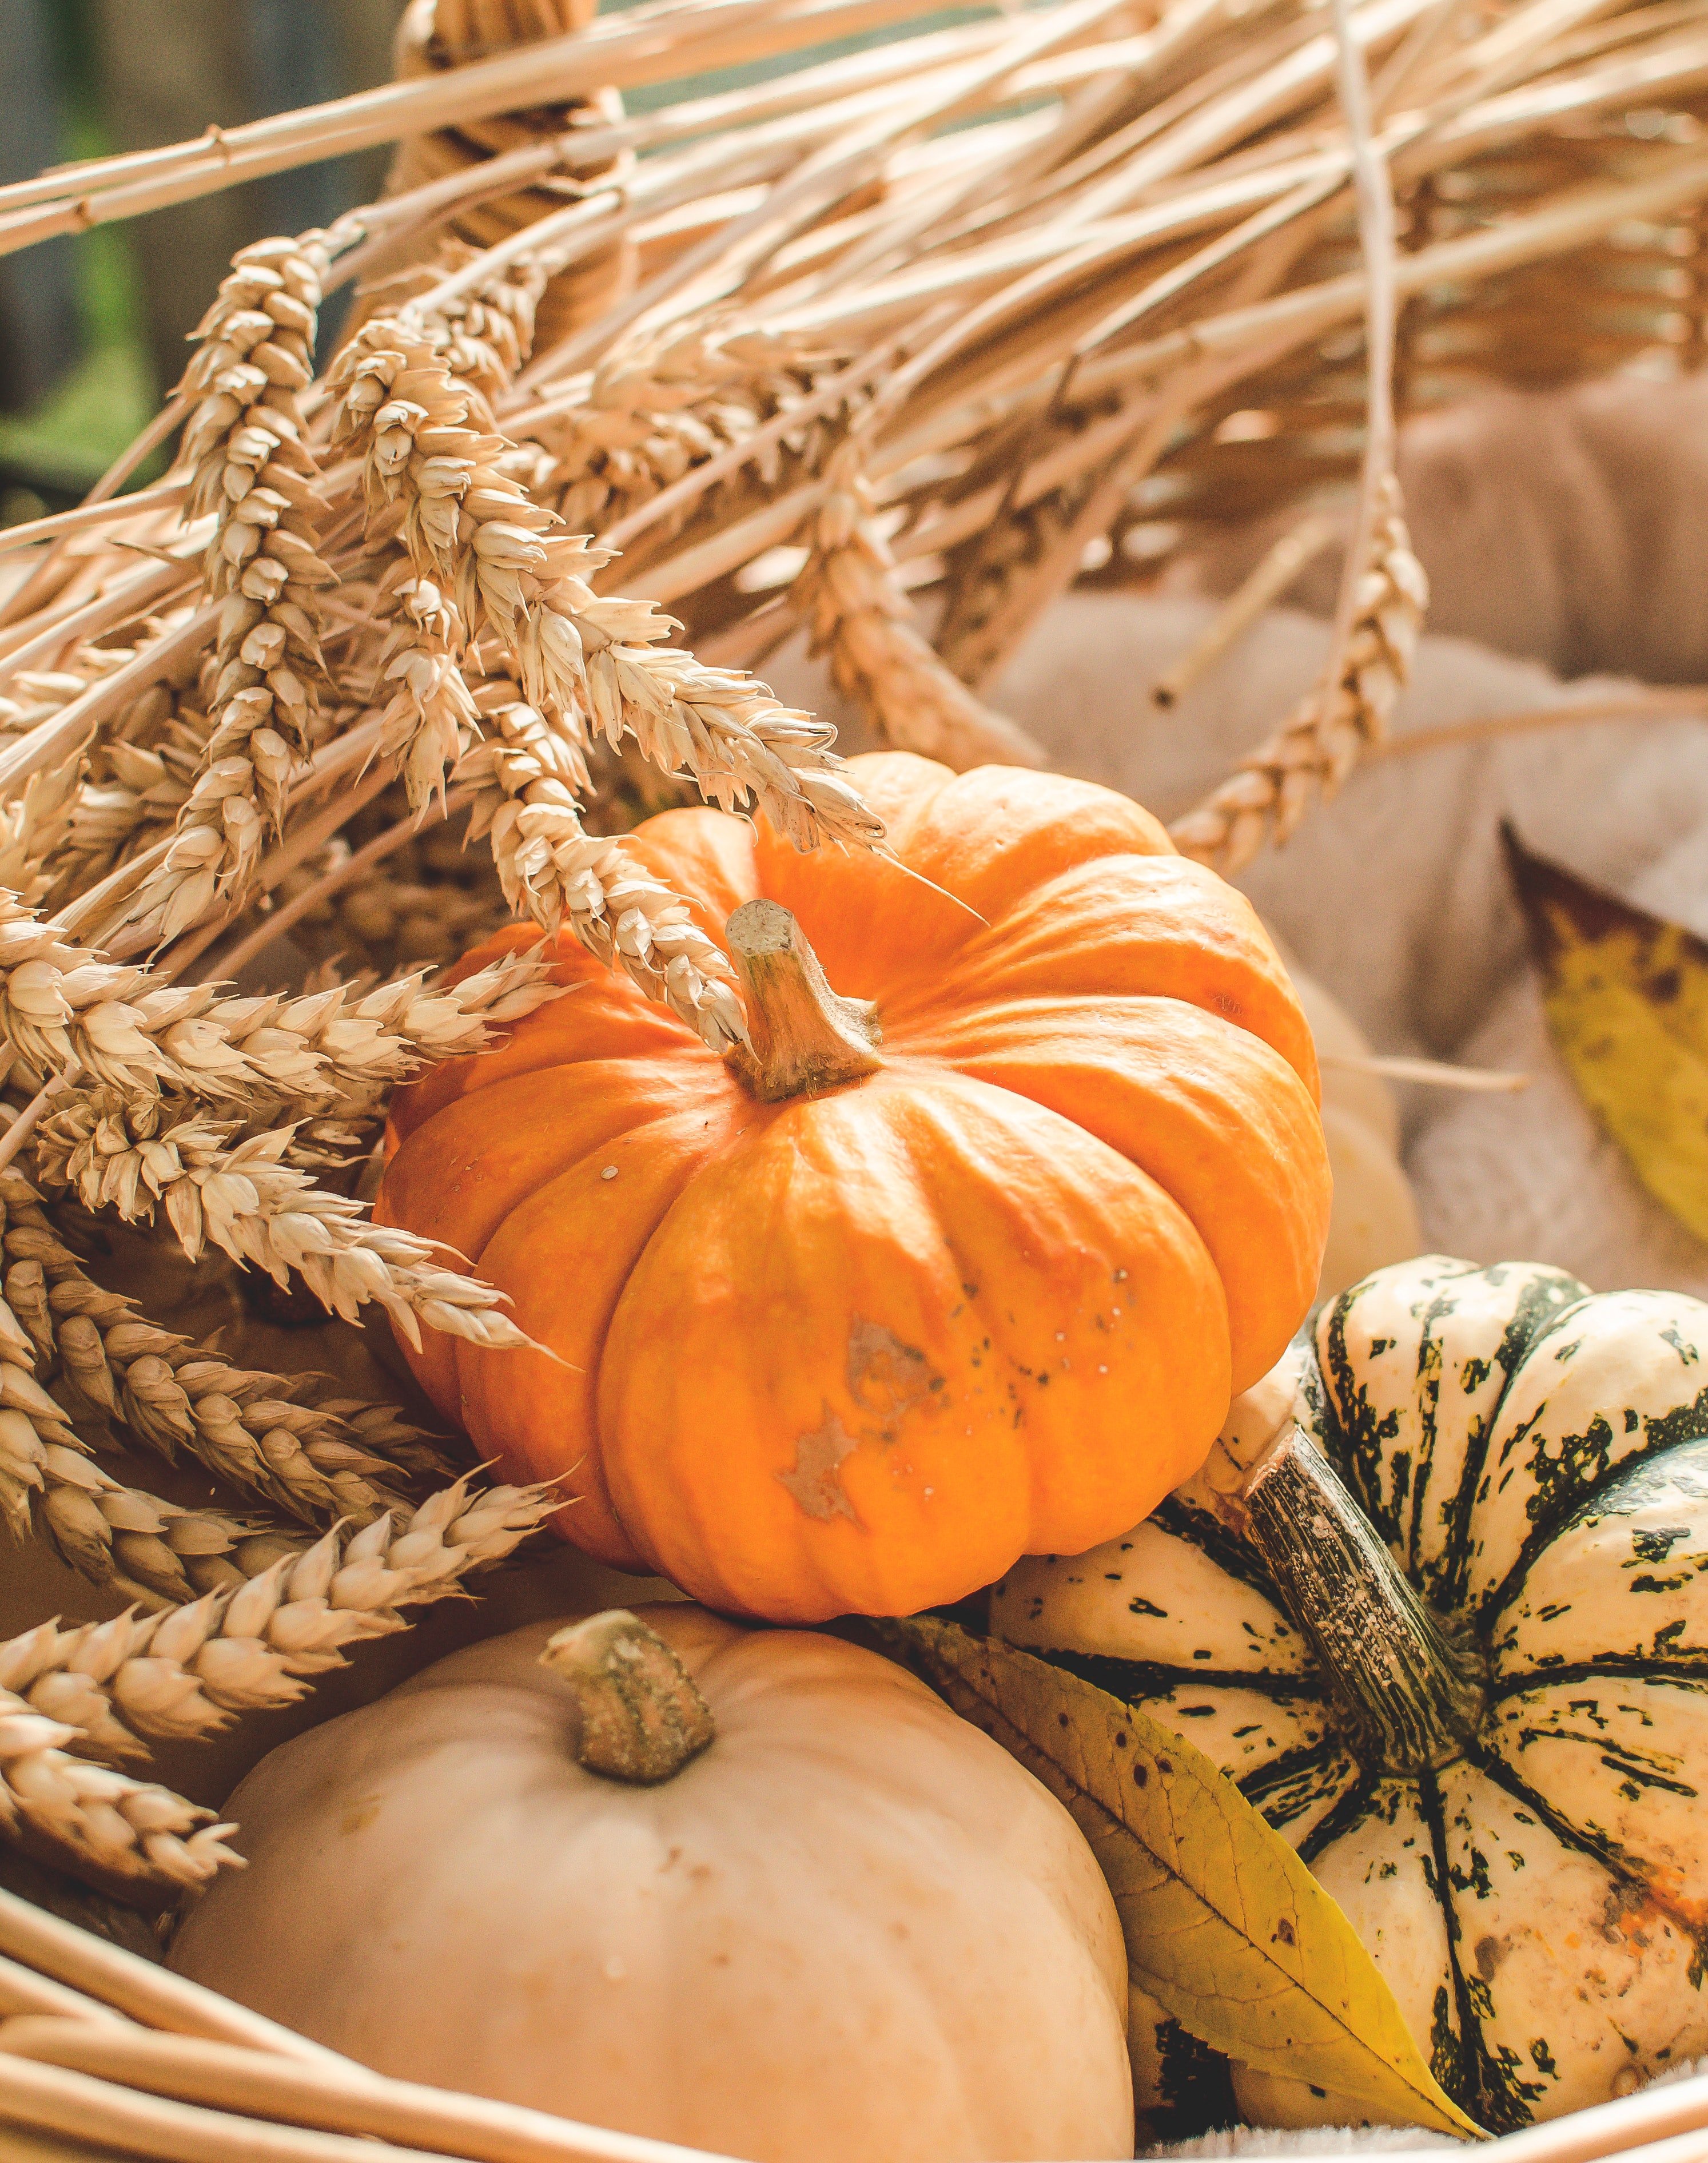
[[359, 1816], [816, 1481]]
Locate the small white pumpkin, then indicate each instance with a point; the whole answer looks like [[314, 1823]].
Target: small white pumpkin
[[1374, 1220], [1438, 1603], [852, 1928]]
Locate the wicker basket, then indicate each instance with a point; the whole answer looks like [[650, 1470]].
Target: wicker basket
[[106, 2055]]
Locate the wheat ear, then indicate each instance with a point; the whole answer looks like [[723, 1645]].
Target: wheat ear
[[858, 613], [1272, 787], [249, 1429], [443, 485], [251, 470], [102, 1818], [551, 869], [216, 1185], [186, 1671], [65, 1009]]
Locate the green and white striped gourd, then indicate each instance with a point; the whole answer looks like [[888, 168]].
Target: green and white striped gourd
[[1438, 1603]]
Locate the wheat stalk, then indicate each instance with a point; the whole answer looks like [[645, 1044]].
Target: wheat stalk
[[510, 566], [110, 1365], [1384, 591], [526, 776], [64, 1009]]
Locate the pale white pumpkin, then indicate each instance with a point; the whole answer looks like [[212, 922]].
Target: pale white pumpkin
[[1374, 1220], [853, 1930], [1438, 1603]]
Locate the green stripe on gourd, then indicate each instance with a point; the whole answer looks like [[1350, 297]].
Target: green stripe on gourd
[[1438, 1603]]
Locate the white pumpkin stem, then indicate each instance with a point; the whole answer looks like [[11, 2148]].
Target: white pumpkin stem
[[642, 1717], [1417, 1696], [806, 1038]]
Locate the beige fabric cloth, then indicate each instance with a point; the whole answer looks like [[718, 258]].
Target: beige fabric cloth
[[1564, 527]]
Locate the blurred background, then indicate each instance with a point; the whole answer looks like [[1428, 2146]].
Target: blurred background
[[87, 343]]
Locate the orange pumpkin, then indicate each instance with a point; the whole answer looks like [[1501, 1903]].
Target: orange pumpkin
[[854, 1333]]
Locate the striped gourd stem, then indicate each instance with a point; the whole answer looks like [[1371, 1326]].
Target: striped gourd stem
[[1417, 1697]]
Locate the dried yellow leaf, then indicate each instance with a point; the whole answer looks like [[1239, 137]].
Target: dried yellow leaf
[[1626, 998], [1225, 1927]]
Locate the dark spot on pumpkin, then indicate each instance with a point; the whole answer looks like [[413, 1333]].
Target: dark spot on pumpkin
[[1061, 1719], [1141, 1776], [1664, 985], [1284, 1932], [1490, 1951]]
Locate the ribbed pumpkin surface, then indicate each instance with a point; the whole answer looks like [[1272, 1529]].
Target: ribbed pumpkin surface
[[858, 1351]]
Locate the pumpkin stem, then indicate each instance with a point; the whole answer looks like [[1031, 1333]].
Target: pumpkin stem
[[1418, 1697], [642, 1718], [805, 1037]]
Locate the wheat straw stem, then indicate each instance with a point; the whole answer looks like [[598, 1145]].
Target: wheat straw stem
[[130, 598], [162, 497], [1280, 566], [1431, 1073], [140, 1989], [163, 426], [825, 398], [528, 241], [630, 50], [1655, 705], [27, 1121], [335, 2096], [24, 1994], [48, 743], [105, 2116], [1373, 194]]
